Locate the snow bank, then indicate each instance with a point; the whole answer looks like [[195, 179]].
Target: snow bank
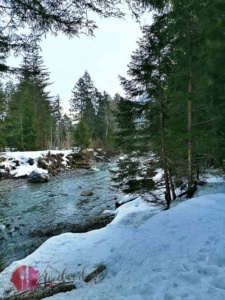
[[176, 254], [18, 162]]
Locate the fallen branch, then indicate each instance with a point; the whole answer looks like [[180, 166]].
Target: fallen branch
[[44, 292], [47, 291], [95, 273]]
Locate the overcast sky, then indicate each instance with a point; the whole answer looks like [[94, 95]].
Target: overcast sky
[[104, 56]]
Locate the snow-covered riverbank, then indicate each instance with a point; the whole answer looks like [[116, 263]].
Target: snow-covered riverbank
[[172, 255], [21, 164]]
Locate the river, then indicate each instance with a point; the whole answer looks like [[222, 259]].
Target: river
[[34, 212]]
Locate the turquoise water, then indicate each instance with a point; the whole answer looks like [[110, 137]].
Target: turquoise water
[[38, 211]]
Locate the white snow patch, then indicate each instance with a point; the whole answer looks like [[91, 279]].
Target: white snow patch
[[159, 175], [24, 167]]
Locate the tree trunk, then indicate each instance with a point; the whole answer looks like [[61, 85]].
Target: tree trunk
[[190, 88], [172, 185], [163, 151], [190, 171]]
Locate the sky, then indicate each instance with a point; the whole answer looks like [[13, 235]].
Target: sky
[[104, 56]]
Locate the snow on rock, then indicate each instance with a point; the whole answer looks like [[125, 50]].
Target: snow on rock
[[21, 164], [2, 227], [109, 213], [125, 199], [38, 176], [173, 255]]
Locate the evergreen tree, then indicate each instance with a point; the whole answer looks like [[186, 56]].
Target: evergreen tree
[[66, 132], [81, 134], [190, 82], [20, 121], [176, 67], [56, 114], [29, 114], [104, 127], [148, 70], [84, 102], [83, 94], [39, 80], [130, 125]]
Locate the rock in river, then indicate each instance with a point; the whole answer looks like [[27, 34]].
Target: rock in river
[[38, 177], [87, 193]]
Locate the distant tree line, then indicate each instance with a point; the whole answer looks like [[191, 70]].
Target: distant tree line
[[92, 113], [32, 119]]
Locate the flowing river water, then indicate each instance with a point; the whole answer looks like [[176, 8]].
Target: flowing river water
[[31, 213]]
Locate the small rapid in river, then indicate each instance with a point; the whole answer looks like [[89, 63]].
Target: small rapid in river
[[31, 213]]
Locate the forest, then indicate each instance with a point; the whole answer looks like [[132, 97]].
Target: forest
[[172, 116], [32, 119]]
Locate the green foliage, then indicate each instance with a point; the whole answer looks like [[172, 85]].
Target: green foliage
[[134, 174], [81, 134], [94, 109], [28, 111], [131, 133], [104, 121], [178, 70]]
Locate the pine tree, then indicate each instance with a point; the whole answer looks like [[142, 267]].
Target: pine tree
[[39, 80], [20, 120], [148, 71], [104, 123], [82, 94], [81, 134], [56, 116], [29, 114], [66, 132], [84, 102], [190, 83]]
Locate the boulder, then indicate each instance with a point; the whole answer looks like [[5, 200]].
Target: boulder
[[30, 161], [38, 177], [87, 193], [42, 163]]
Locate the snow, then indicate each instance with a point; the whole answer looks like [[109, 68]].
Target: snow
[[24, 167], [26, 170], [159, 175], [168, 255], [127, 198], [212, 178]]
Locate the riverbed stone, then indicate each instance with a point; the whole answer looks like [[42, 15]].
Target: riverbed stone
[[87, 193], [38, 177]]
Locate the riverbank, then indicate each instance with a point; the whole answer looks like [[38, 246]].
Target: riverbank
[[53, 162]]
